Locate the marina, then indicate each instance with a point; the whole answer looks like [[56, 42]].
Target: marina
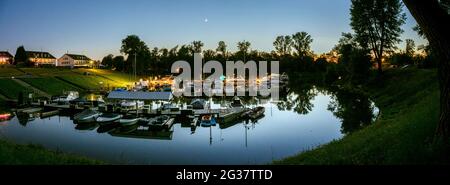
[[168, 130]]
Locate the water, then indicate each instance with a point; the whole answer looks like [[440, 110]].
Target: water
[[304, 119]]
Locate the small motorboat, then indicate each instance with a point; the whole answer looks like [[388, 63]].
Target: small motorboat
[[87, 126], [207, 120], [162, 121], [108, 118], [253, 113], [108, 127], [257, 112], [65, 99], [236, 102], [128, 129], [128, 120], [86, 116]]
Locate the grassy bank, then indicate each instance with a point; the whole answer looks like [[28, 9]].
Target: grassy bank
[[54, 81], [403, 134], [15, 154]]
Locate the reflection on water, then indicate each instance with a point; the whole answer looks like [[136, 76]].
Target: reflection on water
[[305, 117]]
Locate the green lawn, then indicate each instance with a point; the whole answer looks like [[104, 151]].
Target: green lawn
[[50, 85], [45, 72], [9, 72], [10, 88], [409, 104], [121, 78], [16, 154], [89, 82]]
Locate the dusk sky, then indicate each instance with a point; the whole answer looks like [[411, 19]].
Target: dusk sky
[[96, 27]]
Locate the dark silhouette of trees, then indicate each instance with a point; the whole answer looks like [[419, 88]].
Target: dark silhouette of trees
[[302, 43], [107, 61], [21, 58], [433, 18], [135, 49], [283, 45], [377, 25]]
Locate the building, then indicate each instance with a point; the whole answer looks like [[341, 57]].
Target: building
[[6, 58], [41, 58], [73, 60]]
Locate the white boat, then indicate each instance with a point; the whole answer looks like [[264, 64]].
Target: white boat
[[128, 120], [71, 95], [131, 105], [108, 118], [86, 116]]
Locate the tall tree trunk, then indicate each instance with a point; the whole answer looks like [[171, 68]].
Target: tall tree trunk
[[434, 21], [380, 67]]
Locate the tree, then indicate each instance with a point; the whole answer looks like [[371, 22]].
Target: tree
[[132, 44], [209, 55], [119, 63], [243, 48], [197, 46], [431, 15], [222, 48], [346, 39], [283, 45], [301, 43], [135, 49], [21, 57], [410, 47], [107, 61], [377, 25]]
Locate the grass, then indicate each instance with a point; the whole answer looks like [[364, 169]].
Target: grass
[[56, 80], [46, 72], [50, 85], [15, 154], [8, 72], [121, 78], [10, 88], [89, 82], [403, 134]]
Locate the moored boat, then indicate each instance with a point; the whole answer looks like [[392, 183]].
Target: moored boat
[[162, 121], [253, 113], [108, 118], [128, 120], [86, 116], [207, 120]]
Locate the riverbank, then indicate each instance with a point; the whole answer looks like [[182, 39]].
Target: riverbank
[[17, 154], [403, 134]]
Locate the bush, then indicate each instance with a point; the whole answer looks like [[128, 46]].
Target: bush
[[399, 59]]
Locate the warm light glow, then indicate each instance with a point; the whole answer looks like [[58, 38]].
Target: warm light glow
[[5, 116]]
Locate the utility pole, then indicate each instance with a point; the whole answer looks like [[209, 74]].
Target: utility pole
[[135, 66]]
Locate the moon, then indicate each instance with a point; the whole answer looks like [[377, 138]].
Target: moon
[[206, 19]]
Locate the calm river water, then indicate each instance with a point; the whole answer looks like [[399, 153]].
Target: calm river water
[[304, 119]]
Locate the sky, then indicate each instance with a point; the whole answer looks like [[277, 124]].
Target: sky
[[95, 28]]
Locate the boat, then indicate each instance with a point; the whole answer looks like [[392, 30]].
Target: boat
[[254, 113], [108, 128], [131, 105], [127, 129], [207, 120], [87, 126], [236, 102], [86, 116], [128, 120], [198, 104], [71, 95], [108, 118], [162, 121]]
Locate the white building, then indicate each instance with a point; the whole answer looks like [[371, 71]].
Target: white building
[[72, 60], [41, 58]]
